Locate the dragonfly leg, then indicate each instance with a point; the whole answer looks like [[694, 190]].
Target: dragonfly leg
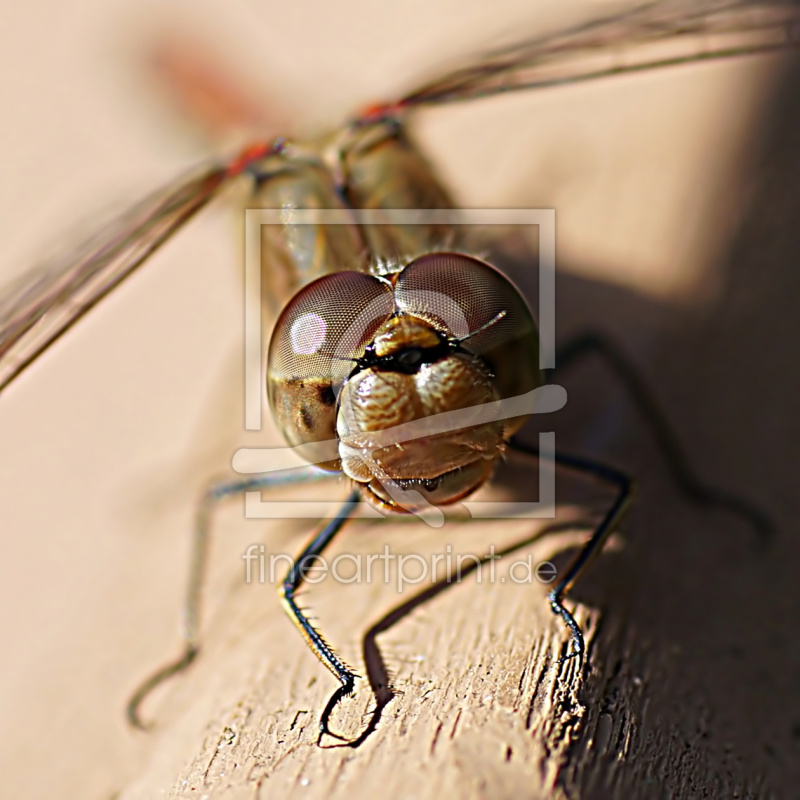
[[668, 442], [624, 486], [314, 639], [197, 571]]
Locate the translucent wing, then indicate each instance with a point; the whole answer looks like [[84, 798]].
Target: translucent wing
[[47, 302], [649, 36]]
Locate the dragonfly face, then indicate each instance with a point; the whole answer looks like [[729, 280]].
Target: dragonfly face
[[357, 355]]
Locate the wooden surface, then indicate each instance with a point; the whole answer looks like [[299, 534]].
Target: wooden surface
[[677, 202]]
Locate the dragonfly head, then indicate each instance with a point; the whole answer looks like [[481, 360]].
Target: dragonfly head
[[404, 375]]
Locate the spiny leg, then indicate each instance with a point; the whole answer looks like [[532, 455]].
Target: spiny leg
[[672, 451], [668, 442], [613, 517], [314, 639], [191, 611]]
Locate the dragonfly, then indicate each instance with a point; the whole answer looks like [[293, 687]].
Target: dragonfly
[[319, 364]]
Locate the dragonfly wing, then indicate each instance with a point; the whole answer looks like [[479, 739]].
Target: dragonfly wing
[[45, 303], [646, 37]]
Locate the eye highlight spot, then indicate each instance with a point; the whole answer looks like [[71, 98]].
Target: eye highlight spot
[[307, 334]]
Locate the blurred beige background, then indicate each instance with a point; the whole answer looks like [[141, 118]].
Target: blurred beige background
[[106, 440]]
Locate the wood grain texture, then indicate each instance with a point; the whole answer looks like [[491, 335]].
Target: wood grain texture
[[479, 705]]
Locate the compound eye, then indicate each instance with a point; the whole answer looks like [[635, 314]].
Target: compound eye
[[318, 336], [476, 304]]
